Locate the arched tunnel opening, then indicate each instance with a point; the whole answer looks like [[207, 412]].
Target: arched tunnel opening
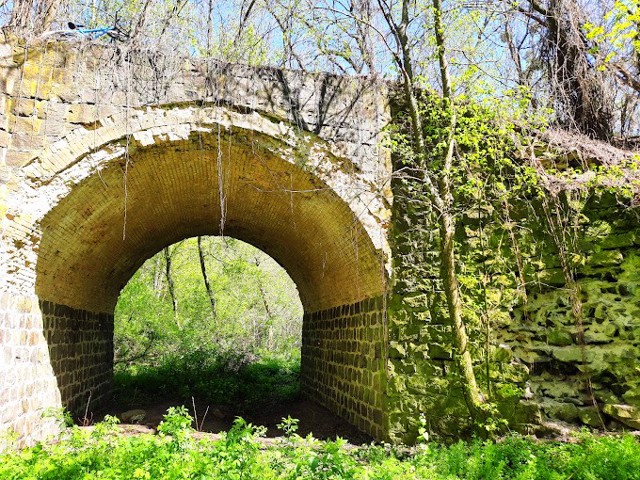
[[130, 207], [214, 324]]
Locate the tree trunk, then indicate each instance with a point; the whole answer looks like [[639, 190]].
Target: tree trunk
[[440, 194], [171, 285], [578, 87], [472, 393], [158, 274], [260, 331], [46, 13], [34, 18], [138, 29], [21, 14], [205, 278]]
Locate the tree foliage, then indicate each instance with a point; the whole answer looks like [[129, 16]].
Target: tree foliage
[[168, 311]]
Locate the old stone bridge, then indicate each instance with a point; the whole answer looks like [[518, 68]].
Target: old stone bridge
[[109, 156], [107, 160]]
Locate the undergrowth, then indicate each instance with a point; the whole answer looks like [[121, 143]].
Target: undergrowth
[[247, 383], [102, 452]]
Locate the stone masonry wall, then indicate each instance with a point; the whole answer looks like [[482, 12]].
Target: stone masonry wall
[[71, 113], [534, 360], [343, 362], [29, 389], [81, 351], [583, 372]]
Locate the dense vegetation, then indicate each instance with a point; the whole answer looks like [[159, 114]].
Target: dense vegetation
[[211, 318], [177, 453], [213, 295], [213, 379]]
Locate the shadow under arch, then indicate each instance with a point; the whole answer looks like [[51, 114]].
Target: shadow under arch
[[130, 207]]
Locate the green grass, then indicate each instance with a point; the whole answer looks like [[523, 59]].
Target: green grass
[[248, 384], [175, 454]]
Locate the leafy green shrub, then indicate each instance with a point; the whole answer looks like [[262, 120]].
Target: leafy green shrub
[[213, 377], [176, 421], [102, 453]]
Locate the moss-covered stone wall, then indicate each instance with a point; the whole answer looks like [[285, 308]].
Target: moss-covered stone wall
[[537, 360]]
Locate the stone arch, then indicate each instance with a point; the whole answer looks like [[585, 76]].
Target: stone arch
[[102, 201]]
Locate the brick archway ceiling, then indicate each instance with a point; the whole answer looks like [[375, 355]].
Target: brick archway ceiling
[[173, 192]]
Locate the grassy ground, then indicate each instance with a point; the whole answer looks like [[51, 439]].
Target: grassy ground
[[176, 453]]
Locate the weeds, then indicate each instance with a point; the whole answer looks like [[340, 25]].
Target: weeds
[[213, 378], [101, 452]]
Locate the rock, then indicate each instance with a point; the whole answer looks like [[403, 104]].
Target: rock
[[631, 396], [569, 353], [600, 335], [529, 356], [514, 373], [555, 430], [590, 416], [606, 258], [559, 337], [527, 412], [566, 412], [133, 416], [503, 353], [606, 396], [397, 350], [626, 414], [619, 240]]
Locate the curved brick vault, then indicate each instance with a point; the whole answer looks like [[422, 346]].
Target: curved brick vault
[[94, 239], [96, 179]]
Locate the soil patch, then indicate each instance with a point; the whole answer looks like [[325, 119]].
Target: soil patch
[[313, 419]]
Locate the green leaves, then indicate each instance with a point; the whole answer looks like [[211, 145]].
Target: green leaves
[[176, 420], [240, 455], [257, 305]]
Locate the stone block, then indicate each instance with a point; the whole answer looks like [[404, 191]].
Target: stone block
[[626, 239], [590, 416], [559, 337], [569, 354], [606, 258], [566, 412], [625, 414]]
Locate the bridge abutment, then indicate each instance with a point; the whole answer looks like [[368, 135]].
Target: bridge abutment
[[343, 362]]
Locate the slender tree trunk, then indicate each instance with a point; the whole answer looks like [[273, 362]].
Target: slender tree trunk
[[158, 274], [171, 285], [209, 26], [260, 331], [205, 278], [21, 14], [363, 38], [47, 10], [440, 193], [140, 23], [472, 393]]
